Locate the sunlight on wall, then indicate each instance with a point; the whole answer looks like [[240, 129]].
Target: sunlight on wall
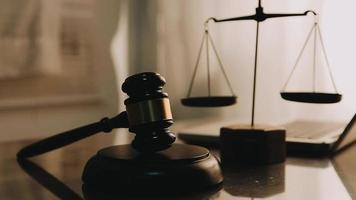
[[339, 33]]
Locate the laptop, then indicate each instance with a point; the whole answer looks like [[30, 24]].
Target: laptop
[[307, 138]]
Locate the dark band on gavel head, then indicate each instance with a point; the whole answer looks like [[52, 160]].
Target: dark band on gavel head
[[149, 111]]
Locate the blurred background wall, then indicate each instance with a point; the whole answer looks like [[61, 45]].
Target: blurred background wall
[[56, 68], [119, 38]]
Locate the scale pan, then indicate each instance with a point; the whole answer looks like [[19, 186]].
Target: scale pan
[[311, 97], [211, 101]]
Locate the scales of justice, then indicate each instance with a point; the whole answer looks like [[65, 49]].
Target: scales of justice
[[259, 133]]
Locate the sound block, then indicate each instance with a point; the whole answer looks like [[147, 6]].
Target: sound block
[[178, 169], [257, 145]]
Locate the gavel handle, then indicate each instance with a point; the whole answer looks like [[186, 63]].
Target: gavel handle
[[68, 137]]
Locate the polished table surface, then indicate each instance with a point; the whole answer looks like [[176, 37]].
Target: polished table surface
[[57, 175]]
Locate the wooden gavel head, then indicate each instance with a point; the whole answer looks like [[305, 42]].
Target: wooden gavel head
[[149, 112]]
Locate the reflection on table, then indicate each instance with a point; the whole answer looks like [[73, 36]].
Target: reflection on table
[[58, 175]]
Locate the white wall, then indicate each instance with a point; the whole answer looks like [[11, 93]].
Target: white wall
[[338, 33]]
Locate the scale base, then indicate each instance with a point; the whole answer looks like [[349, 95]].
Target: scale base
[[246, 145], [178, 169]]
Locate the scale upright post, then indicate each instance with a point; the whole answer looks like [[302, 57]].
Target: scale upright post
[[253, 144]]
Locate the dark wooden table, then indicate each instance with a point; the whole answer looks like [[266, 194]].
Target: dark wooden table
[[57, 175]]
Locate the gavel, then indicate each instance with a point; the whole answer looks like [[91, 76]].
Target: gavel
[[152, 163], [148, 115]]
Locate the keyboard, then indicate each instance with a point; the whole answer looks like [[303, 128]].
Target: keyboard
[[313, 129]]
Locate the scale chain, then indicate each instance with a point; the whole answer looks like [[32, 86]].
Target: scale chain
[[221, 64], [326, 59], [196, 66], [317, 30], [299, 57], [207, 58], [314, 60]]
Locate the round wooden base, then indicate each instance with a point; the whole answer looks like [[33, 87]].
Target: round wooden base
[[178, 169]]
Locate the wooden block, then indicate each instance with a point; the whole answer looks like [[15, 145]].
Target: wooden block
[[257, 145]]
